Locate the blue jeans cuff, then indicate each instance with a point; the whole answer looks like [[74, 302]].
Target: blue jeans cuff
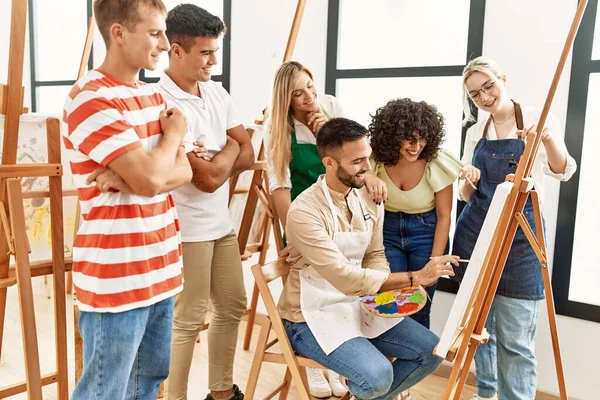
[[486, 393]]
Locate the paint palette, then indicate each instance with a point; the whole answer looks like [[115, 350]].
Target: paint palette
[[396, 303]]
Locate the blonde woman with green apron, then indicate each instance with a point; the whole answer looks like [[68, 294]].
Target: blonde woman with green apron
[[293, 163]]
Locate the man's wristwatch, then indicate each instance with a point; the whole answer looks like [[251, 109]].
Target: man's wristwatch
[[410, 276]]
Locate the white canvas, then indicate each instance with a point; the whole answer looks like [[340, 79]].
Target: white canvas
[[473, 269]]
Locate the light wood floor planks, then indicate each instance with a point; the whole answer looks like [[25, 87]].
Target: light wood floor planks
[[12, 364]]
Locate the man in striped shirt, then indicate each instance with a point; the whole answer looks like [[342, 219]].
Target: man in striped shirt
[[125, 151]]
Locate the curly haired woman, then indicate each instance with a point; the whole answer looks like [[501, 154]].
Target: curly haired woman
[[406, 137]]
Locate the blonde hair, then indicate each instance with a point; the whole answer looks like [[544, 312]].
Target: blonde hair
[[280, 145], [483, 65]]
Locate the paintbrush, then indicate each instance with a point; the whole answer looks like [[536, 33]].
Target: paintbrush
[[459, 260], [471, 183]]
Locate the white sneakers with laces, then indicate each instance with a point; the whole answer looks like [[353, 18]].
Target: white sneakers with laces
[[317, 384], [323, 384], [337, 388]]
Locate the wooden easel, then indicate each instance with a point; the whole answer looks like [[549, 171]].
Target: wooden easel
[[78, 341], [259, 189], [473, 331], [13, 238]]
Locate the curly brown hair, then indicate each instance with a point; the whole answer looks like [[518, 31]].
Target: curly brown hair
[[398, 120]]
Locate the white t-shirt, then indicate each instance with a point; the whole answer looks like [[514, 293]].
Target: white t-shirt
[[203, 216], [330, 106], [540, 168]]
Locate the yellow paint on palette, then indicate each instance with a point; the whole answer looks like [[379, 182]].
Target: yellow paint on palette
[[384, 298]]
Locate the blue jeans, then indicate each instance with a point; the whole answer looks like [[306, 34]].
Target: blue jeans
[[408, 241], [507, 361], [364, 361], [125, 355]]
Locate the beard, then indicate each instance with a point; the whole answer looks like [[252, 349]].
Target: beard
[[352, 181]]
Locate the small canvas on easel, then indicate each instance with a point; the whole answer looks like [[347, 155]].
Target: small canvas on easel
[[32, 148], [459, 308]]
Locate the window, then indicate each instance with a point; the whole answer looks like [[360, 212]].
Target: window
[[401, 38], [377, 51], [220, 8], [57, 40], [576, 274]]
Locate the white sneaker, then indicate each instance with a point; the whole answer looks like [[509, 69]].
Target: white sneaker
[[404, 395], [478, 397], [317, 384], [337, 388]]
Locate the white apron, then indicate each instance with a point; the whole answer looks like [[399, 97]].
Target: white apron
[[332, 316]]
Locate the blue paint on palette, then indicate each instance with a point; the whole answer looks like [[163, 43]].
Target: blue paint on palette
[[389, 308]]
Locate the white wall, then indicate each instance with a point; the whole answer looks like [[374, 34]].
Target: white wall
[[259, 33], [526, 38]]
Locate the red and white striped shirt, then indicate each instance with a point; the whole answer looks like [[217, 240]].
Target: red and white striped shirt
[[127, 252]]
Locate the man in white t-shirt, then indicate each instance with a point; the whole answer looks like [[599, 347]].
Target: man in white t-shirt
[[211, 261]]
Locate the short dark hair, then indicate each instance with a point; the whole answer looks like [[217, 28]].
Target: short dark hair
[[336, 132], [397, 121], [186, 22], [124, 12]]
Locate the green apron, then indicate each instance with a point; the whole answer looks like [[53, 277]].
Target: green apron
[[305, 167]]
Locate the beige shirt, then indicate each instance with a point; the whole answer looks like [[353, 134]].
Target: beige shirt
[[309, 234]]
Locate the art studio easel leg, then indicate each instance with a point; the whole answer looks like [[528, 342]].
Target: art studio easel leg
[[466, 353], [538, 245], [270, 220], [25, 290]]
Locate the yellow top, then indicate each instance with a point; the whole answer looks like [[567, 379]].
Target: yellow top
[[439, 173]]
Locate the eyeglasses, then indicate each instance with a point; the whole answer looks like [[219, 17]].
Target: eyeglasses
[[487, 88]]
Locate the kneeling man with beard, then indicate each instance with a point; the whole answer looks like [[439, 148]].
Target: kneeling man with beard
[[335, 236]]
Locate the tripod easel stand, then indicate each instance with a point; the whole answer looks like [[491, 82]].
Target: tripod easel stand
[[472, 332], [78, 341], [13, 237], [259, 190]]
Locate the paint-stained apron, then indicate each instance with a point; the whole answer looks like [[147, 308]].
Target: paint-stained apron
[[332, 316]]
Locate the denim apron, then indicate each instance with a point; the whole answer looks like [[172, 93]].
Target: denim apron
[[522, 275]]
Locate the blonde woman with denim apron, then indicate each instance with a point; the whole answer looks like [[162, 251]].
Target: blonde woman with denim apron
[[493, 147], [293, 164]]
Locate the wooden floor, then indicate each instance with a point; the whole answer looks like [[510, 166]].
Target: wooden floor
[[12, 364]]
